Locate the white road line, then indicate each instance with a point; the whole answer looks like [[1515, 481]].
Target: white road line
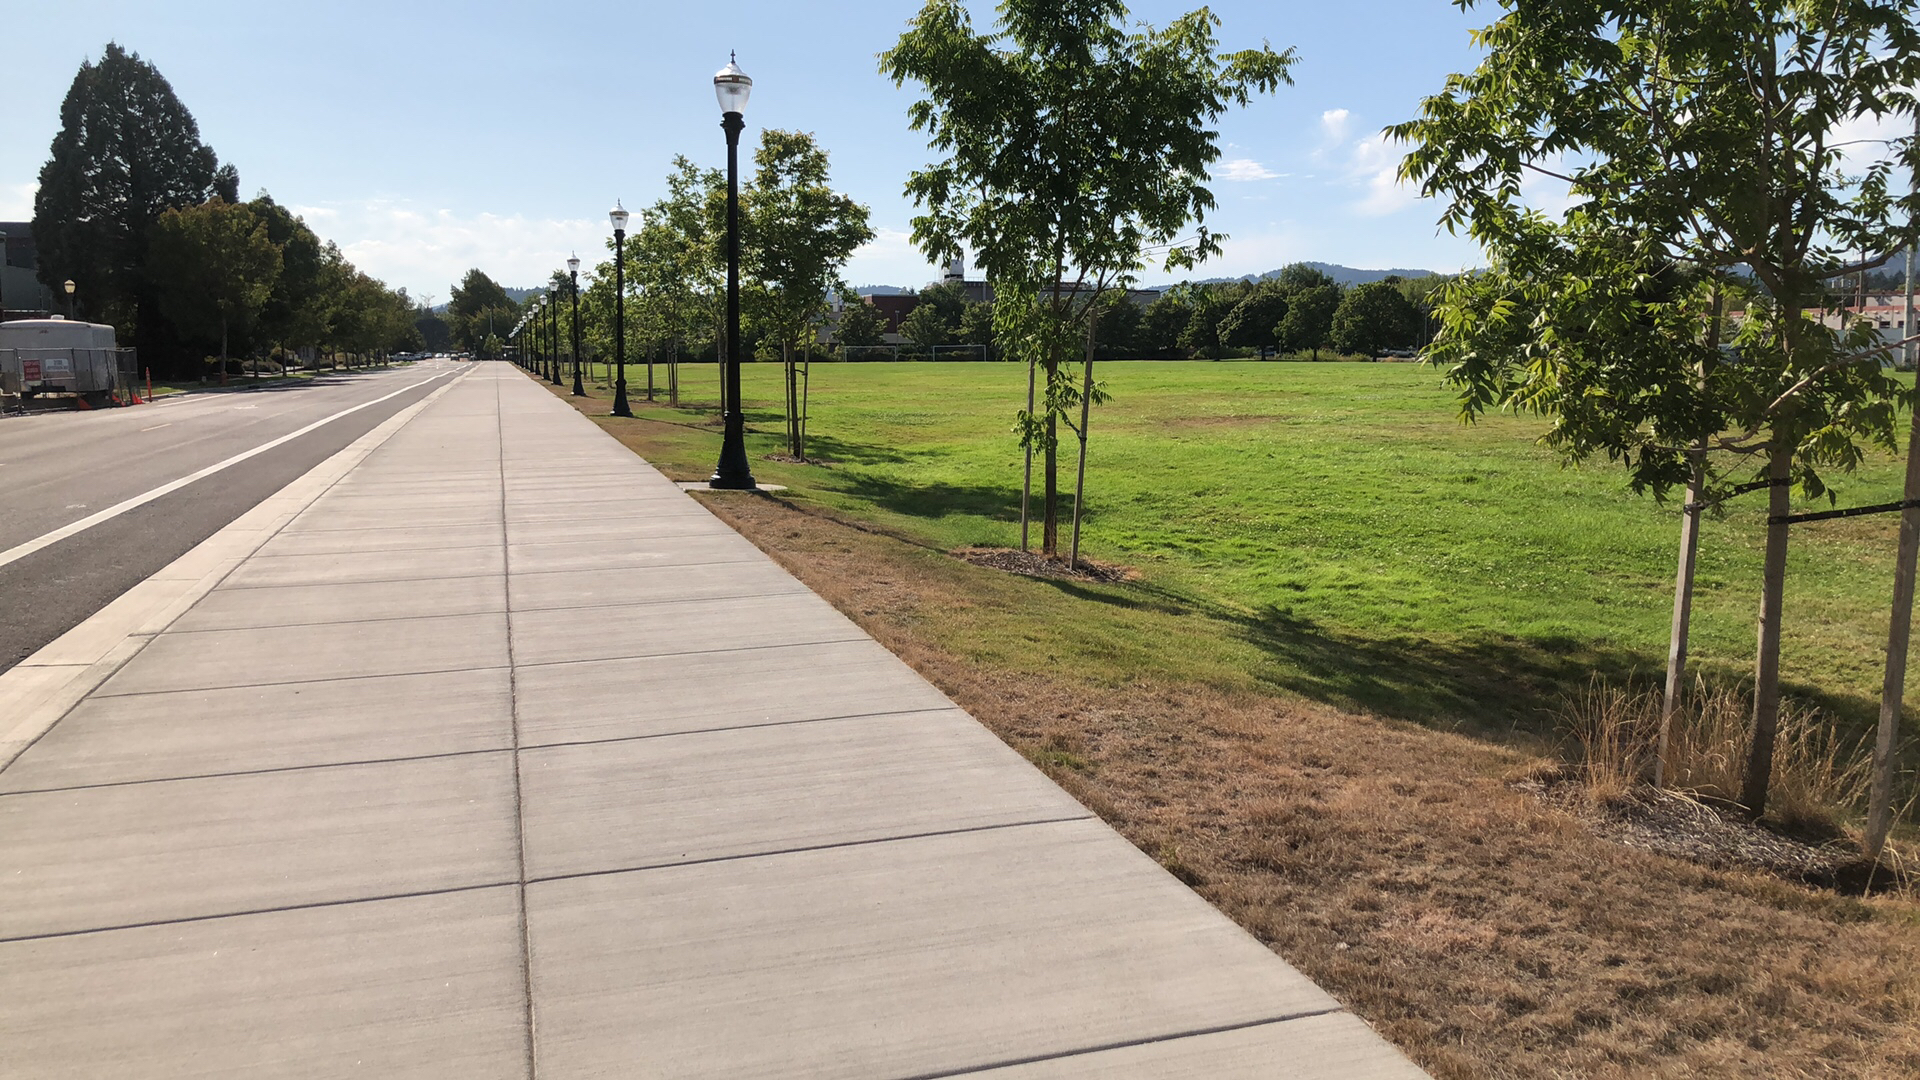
[[21, 551], [156, 427]]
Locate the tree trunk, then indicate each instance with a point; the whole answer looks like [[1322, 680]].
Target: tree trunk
[[223, 350], [1050, 486], [673, 375], [793, 399], [806, 385], [1893, 686], [1766, 668], [1080, 478], [1682, 614], [1026, 479]]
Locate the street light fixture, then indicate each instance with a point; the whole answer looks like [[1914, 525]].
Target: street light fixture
[[69, 287], [732, 87], [619, 216], [573, 283]]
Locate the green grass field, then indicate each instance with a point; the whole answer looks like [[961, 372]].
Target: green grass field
[[1330, 529]]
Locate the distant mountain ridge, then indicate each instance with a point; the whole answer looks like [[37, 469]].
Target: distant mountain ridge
[[1345, 275]]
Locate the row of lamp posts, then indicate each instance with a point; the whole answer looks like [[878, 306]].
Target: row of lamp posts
[[732, 87]]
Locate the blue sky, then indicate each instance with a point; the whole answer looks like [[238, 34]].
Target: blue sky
[[427, 137]]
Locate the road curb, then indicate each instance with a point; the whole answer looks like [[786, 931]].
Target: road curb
[[44, 687]]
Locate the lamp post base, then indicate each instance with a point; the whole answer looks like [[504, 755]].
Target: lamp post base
[[579, 388], [732, 483], [620, 406]]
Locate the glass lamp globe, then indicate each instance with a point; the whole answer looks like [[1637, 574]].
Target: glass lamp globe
[[732, 87], [618, 215]]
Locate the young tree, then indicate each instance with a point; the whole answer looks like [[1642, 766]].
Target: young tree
[[1703, 147], [1373, 318], [799, 235], [675, 261], [1073, 142], [214, 267], [127, 152]]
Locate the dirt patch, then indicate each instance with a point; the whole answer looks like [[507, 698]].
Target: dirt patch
[[1487, 932], [1676, 824], [1032, 564]]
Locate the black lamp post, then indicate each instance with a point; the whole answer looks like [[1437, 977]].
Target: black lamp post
[[553, 334], [69, 287], [732, 87], [573, 286], [618, 215]]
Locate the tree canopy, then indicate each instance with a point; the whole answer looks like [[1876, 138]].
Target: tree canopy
[[1072, 144], [213, 266], [127, 152], [1699, 145]]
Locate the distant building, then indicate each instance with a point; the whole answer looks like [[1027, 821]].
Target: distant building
[[1885, 311], [21, 294]]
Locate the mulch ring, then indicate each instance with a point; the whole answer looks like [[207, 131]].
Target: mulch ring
[[1033, 564], [1674, 824]]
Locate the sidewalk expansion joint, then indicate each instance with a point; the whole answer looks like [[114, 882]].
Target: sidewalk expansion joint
[[303, 682], [513, 718], [756, 556], [375, 551], [244, 912], [350, 622], [1124, 1044], [736, 727], [311, 767], [805, 849], [697, 652]]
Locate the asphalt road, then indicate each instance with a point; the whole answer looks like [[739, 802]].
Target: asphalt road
[[59, 468]]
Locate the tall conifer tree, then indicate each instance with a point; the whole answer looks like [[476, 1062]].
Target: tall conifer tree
[[127, 152]]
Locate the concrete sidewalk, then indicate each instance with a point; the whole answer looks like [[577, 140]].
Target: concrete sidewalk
[[502, 757]]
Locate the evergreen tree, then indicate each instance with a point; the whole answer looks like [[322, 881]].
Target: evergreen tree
[[127, 152]]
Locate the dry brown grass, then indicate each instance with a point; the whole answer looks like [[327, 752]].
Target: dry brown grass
[[1821, 775], [1483, 931]]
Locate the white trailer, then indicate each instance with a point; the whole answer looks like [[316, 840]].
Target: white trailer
[[44, 357]]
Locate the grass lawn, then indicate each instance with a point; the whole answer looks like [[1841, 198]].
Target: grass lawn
[[1352, 621], [1335, 528]]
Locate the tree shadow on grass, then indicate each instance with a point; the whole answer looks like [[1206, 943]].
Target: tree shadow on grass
[[1493, 685], [829, 450], [991, 501]]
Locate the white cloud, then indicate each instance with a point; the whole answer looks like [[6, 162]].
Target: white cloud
[[1334, 123], [1375, 165], [891, 258], [426, 251], [1241, 170], [1864, 140]]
